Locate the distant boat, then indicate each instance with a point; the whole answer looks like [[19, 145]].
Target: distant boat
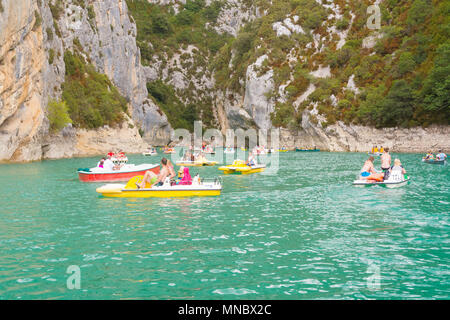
[[376, 154], [125, 173], [433, 161], [307, 150]]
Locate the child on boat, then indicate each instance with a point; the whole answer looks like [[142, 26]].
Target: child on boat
[[186, 179]]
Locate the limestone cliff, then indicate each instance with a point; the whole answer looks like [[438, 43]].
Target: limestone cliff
[[30, 32], [305, 66]]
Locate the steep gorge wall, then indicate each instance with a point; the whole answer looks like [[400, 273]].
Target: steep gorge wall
[[22, 59], [28, 33], [107, 35]]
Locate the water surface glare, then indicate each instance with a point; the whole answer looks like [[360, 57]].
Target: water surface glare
[[305, 233]]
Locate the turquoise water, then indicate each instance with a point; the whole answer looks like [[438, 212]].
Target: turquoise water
[[305, 233]]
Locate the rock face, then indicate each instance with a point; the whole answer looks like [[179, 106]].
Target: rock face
[[22, 58], [341, 137], [255, 101], [32, 70], [28, 32]]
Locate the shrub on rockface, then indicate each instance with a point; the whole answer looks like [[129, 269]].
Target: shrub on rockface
[[58, 115], [179, 115], [92, 100]]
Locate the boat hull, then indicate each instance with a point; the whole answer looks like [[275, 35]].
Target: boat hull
[[434, 161], [160, 194], [115, 176], [365, 183], [241, 170], [129, 191]]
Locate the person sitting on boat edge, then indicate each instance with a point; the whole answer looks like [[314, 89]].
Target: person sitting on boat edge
[[368, 171], [441, 156], [385, 160], [158, 180], [251, 160]]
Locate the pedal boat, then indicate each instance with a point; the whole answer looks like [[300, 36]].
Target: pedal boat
[[391, 182], [196, 163], [433, 161], [376, 154], [239, 167], [124, 174], [130, 190]]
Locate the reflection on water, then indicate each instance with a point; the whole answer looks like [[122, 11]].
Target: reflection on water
[[305, 233]]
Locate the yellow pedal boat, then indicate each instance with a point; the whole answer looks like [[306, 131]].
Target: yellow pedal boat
[[130, 190], [239, 167], [196, 163]]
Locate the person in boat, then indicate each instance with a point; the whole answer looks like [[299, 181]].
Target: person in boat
[[101, 162], [381, 149], [368, 171], [201, 157], [158, 180], [429, 155], [251, 160], [186, 177], [375, 150], [385, 160], [397, 167], [108, 164], [441, 156], [180, 173]]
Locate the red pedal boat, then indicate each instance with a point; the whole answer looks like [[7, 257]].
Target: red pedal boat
[[125, 173]]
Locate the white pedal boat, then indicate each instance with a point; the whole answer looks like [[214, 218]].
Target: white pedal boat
[[394, 181]]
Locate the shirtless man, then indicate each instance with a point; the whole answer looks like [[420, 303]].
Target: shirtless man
[[153, 179], [385, 160], [368, 168]]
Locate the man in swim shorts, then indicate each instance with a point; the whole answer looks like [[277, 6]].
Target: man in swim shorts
[[153, 179], [368, 168], [385, 160]]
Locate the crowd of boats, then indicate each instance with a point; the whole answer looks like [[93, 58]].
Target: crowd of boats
[[390, 175], [151, 180]]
